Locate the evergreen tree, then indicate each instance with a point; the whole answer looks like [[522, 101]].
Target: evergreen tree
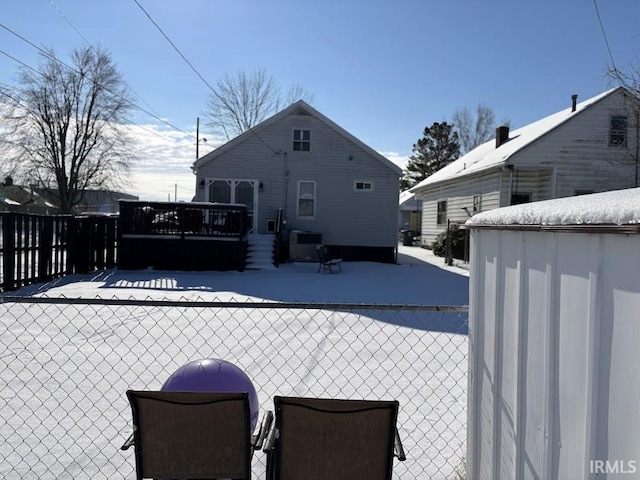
[[437, 148]]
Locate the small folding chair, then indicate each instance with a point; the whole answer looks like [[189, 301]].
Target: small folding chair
[[328, 439], [194, 435]]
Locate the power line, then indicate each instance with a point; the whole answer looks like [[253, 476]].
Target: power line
[[606, 42], [173, 45], [91, 47], [53, 57], [194, 68]]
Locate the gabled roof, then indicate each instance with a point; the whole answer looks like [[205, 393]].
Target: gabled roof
[[487, 156], [298, 108]]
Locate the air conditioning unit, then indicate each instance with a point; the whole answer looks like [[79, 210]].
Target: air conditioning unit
[[271, 225], [302, 246]]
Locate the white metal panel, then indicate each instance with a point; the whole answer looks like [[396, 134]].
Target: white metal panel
[[508, 362], [618, 432], [554, 338]]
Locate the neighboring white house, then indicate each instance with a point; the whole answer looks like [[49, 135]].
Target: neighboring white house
[[325, 184], [589, 147], [554, 389]]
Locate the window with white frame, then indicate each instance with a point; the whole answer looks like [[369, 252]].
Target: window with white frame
[[302, 140], [306, 199], [441, 216], [363, 185], [618, 132]]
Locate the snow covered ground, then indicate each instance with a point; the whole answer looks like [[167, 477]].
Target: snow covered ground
[[65, 367]]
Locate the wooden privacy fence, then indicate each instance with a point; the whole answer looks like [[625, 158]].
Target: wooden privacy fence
[[37, 248]]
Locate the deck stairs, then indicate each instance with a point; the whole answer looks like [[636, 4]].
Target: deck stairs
[[260, 252]]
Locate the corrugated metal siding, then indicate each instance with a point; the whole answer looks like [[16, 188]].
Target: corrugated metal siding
[[554, 337], [343, 216]]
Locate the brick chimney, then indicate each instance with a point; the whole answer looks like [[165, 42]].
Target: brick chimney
[[502, 135]]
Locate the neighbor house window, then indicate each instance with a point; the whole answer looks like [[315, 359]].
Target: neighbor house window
[[477, 204], [302, 140], [441, 218], [306, 199], [519, 198], [363, 186], [618, 132]]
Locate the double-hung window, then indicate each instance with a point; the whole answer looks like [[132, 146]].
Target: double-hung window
[[618, 132], [306, 199], [302, 140]]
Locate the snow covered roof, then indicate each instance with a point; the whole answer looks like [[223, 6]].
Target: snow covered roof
[[405, 196], [618, 207], [296, 108], [487, 156]]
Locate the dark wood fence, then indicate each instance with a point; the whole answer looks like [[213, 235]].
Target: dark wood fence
[[38, 248]]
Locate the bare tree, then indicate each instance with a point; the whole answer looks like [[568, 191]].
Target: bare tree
[[63, 125], [239, 102], [474, 128]]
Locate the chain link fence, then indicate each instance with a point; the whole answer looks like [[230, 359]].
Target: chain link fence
[[65, 366]]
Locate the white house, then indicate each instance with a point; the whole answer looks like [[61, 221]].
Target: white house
[[324, 184], [589, 147]]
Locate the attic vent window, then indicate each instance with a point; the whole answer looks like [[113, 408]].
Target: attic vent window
[[302, 140], [618, 132]]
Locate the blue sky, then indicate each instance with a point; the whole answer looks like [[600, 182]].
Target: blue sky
[[383, 70]]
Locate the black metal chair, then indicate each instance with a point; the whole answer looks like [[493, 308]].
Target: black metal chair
[[194, 435], [326, 262], [328, 439]]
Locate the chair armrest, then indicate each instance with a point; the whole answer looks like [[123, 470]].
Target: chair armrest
[[398, 450], [128, 442], [265, 424], [271, 438]]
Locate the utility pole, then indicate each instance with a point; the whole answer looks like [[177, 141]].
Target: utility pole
[[198, 140]]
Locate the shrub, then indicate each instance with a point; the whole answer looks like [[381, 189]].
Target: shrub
[[458, 243]]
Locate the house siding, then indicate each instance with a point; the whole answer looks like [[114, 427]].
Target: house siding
[[343, 216], [459, 197]]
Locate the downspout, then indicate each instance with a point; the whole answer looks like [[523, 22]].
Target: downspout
[[286, 185], [637, 145], [554, 180]]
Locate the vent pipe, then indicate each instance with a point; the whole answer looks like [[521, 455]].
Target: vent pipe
[[574, 102], [502, 135]]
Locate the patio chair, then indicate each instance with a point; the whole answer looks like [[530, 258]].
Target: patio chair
[[194, 435], [328, 439], [326, 262]]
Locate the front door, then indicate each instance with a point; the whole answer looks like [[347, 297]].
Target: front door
[[244, 192]]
